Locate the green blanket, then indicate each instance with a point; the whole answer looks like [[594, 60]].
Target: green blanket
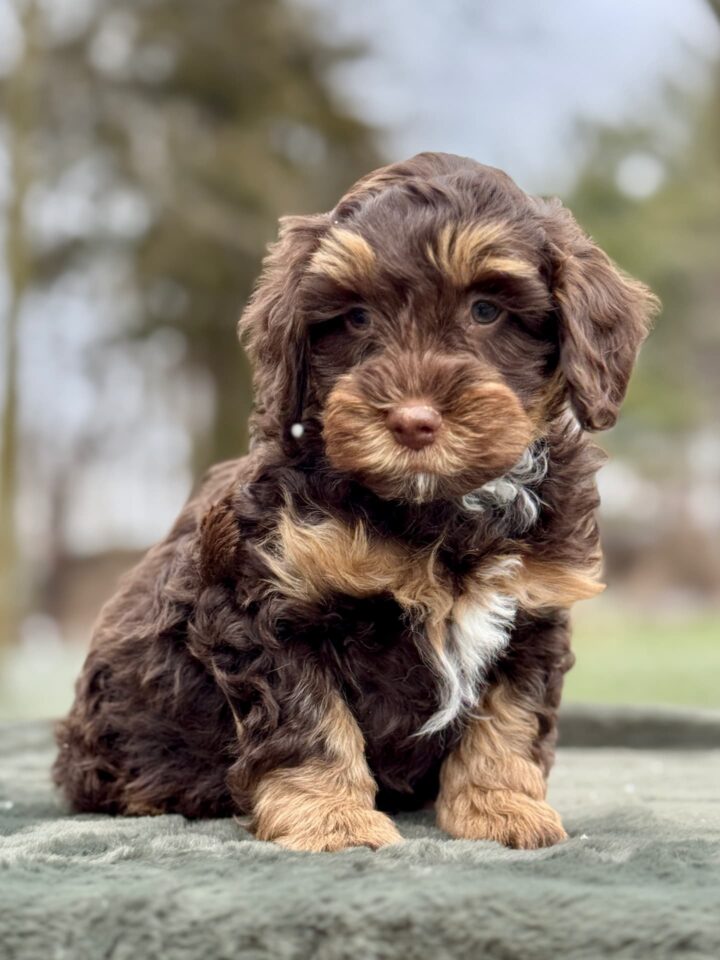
[[639, 878]]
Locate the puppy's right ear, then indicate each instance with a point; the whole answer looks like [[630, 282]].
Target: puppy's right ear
[[273, 330], [604, 316]]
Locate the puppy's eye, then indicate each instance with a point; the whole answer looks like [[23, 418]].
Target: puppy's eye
[[358, 318], [483, 311]]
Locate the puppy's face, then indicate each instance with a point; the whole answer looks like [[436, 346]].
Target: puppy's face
[[433, 330], [432, 354]]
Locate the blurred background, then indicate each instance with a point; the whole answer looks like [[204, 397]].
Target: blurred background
[[147, 148]]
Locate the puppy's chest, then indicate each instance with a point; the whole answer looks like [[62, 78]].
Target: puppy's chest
[[329, 563]]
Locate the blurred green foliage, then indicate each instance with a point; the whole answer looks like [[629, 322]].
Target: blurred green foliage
[[219, 117], [152, 145], [671, 239]]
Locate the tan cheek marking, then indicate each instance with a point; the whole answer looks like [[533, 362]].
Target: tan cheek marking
[[489, 786], [324, 804], [355, 435], [344, 256], [489, 424]]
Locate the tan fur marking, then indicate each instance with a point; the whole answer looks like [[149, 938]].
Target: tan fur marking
[[512, 266], [536, 584], [540, 585], [138, 808], [345, 256], [324, 804], [490, 789], [310, 561], [486, 426], [462, 254]]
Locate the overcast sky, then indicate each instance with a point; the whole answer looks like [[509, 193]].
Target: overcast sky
[[505, 80]]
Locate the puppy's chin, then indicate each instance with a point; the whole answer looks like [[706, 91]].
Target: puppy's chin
[[483, 436], [424, 486]]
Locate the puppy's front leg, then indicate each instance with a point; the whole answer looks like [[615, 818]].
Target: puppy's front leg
[[490, 788], [327, 800], [300, 769]]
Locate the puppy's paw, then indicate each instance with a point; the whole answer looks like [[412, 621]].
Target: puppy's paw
[[348, 827], [513, 819]]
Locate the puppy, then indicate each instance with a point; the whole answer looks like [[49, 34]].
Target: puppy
[[369, 611]]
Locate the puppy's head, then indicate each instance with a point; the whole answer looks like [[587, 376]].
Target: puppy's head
[[424, 333]]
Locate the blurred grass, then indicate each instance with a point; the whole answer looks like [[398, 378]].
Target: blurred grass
[[37, 680], [628, 657]]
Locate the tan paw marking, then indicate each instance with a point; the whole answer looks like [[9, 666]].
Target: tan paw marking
[[512, 819], [343, 828]]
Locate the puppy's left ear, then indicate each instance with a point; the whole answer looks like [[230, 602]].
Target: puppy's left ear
[[604, 316]]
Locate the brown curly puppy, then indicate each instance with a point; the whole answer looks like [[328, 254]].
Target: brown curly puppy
[[369, 611]]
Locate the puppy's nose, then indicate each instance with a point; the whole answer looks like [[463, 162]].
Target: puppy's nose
[[414, 425]]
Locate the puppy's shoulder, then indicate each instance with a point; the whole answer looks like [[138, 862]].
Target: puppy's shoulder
[[228, 482], [237, 505]]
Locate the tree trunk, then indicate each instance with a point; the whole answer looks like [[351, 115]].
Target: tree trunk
[[18, 112]]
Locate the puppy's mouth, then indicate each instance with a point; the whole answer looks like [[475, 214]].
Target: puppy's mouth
[[424, 447]]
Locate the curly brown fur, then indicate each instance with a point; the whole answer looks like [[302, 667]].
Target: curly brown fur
[[370, 611]]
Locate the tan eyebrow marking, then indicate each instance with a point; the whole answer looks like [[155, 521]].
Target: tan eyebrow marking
[[464, 253], [345, 256], [513, 266]]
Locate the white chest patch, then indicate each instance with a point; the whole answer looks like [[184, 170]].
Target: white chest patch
[[478, 634]]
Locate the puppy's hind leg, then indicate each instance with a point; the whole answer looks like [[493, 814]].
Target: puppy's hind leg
[[123, 750], [87, 775]]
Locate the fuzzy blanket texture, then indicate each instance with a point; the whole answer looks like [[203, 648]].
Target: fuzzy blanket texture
[[639, 878]]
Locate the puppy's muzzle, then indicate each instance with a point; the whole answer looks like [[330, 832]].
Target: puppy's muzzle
[[414, 425]]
